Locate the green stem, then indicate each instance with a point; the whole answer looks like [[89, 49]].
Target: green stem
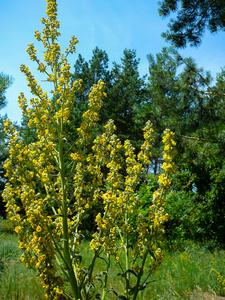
[[140, 275], [106, 278], [125, 246], [66, 250], [127, 260], [96, 254], [83, 283]]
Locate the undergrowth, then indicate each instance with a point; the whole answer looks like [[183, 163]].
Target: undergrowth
[[182, 273]]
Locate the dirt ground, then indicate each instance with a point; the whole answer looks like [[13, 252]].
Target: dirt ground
[[197, 295]]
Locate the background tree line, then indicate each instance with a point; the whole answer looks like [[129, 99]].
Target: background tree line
[[5, 82]]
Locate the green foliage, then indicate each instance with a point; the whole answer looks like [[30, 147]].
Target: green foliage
[[125, 89], [90, 73], [16, 282], [28, 134], [179, 95], [193, 17], [5, 82], [8, 250], [146, 191], [181, 208], [181, 98], [197, 212], [128, 91], [174, 100], [6, 226], [187, 274]]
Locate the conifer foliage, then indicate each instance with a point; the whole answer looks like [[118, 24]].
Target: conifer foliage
[[125, 90], [193, 17], [5, 82]]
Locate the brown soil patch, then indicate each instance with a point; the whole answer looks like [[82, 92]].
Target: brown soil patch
[[197, 295]]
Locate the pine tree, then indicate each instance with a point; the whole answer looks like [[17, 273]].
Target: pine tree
[[193, 17], [182, 97], [89, 72], [175, 100], [125, 91], [128, 91], [5, 82]]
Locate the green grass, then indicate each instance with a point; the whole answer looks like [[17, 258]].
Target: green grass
[[6, 226], [184, 274], [181, 273], [20, 283], [16, 281]]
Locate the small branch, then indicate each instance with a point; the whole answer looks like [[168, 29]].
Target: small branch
[[199, 139], [198, 73], [204, 92]]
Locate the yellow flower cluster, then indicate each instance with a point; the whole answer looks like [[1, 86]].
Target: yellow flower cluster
[[26, 193], [117, 226], [90, 117], [220, 278], [145, 153], [35, 190], [158, 216], [120, 198]]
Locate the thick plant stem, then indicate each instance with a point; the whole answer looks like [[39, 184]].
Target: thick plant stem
[[127, 276], [140, 275], [66, 250], [106, 278]]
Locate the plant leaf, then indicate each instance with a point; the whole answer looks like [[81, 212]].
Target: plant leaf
[[112, 290], [152, 254], [99, 279], [143, 286], [103, 259], [130, 271], [120, 274], [102, 273], [77, 257]]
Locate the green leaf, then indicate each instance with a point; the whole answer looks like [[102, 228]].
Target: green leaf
[[103, 259], [122, 297], [103, 273], [143, 286], [127, 271], [77, 257], [130, 271], [85, 270], [112, 290], [120, 274], [99, 279]]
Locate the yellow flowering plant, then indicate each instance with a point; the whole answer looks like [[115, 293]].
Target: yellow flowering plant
[[52, 186], [220, 278]]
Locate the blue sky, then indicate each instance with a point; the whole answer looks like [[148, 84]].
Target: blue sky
[[111, 25]]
